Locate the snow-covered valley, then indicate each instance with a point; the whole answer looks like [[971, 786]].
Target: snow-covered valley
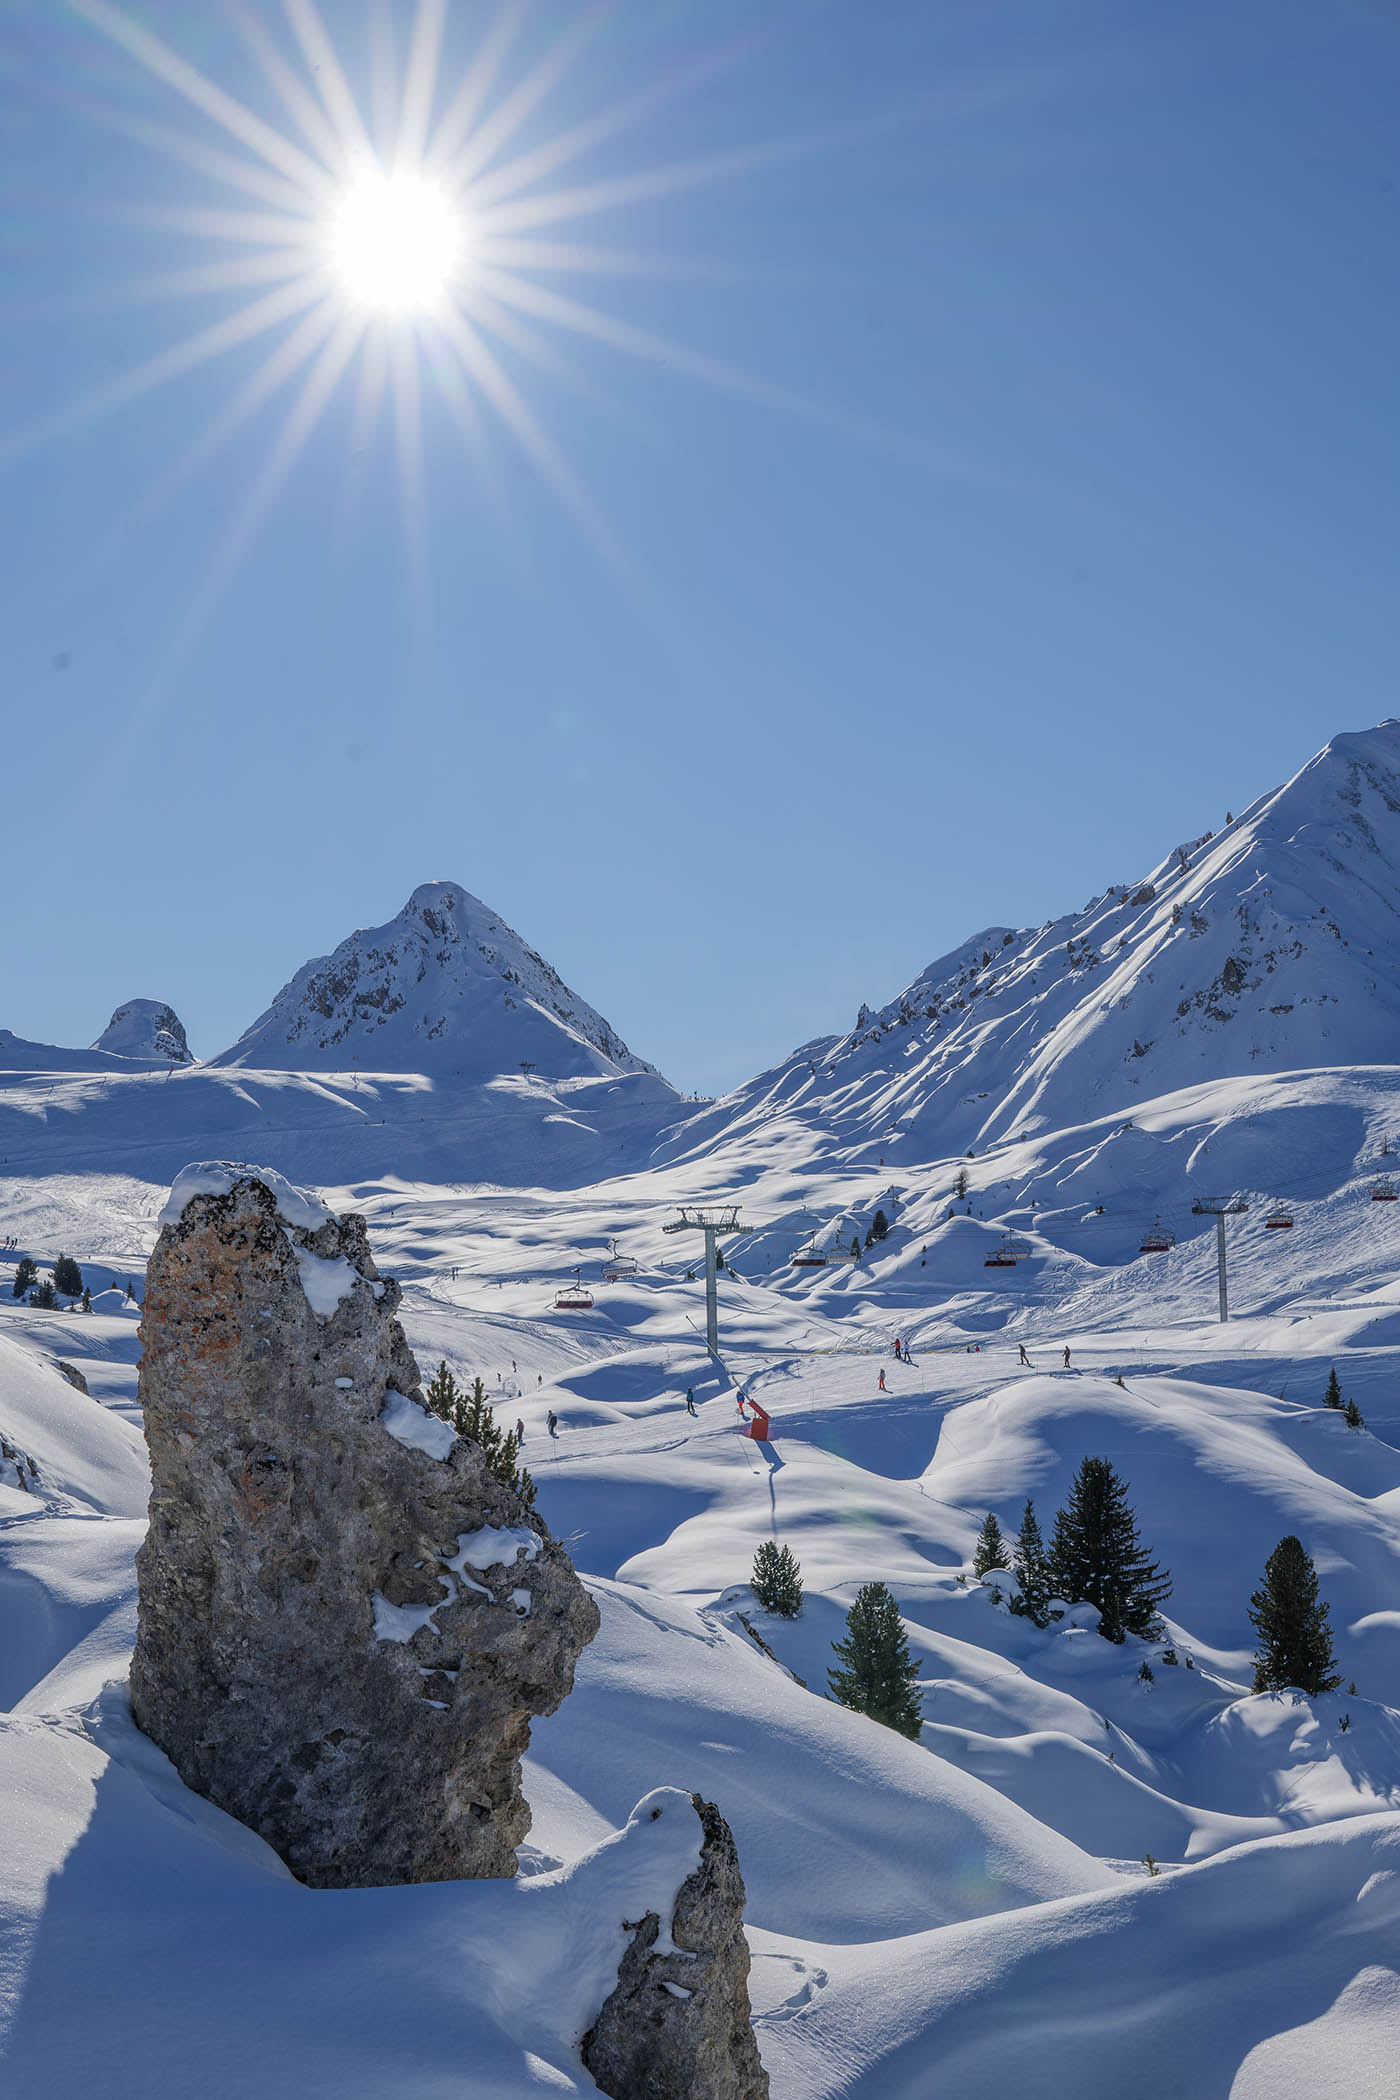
[[1104, 1869]]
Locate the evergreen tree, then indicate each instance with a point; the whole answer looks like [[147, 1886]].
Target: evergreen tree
[[1333, 1395], [879, 1226], [960, 1185], [878, 1676], [776, 1580], [87, 1299], [990, 1551], [855, 1247], [1097, 1558], [44, 1295], [473, 1417], [1032, 1566], [67, 1276], [26, 1276], [1295, 1640], [1355, 1418]]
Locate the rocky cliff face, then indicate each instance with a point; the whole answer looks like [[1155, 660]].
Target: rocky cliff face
[[677, 2026], [346, 1623]]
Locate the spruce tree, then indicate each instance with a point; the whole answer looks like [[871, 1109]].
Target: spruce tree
[[1295, 1640], [26, 1276], [1032, 1566], [1333, 1395], [1097, 1558], [879, 1226], [960, 1185], [67, 1276], [473, 1417], [776, 1580], [990, 1551], [1355, 1418], [878, 1677], [44, 1295]]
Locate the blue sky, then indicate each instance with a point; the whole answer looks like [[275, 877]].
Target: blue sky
[[1047, 508]]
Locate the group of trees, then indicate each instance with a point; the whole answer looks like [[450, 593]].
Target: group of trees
[[1333, 1398], [1094, 1557], [471, 1414], [44, 1292]]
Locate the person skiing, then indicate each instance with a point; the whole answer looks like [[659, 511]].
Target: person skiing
[[519, 1432], [883, 1387], [689, 1401], [1024, 1358], [552, 1422], [740, 1405], [1066, 1355], [898, 1350]]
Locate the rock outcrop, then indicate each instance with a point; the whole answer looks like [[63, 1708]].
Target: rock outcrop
[[146, 1028], [346, 1622], [677, 2026]]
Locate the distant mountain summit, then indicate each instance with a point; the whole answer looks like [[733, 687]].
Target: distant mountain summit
[[445, 988], [1270, 945], [145, 1028]]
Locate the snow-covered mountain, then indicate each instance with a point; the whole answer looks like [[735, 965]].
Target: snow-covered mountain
[[1270, 946], [446, 987], [146, 1028]]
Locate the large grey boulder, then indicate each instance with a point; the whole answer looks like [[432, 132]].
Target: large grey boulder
[[677, 2027], [346, 1622]]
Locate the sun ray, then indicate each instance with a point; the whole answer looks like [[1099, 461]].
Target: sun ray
[[581, 258], [486, 141], [208, 223], [408, 431], [325, 68], [384, 102], [715, 372], [568, 145], [296, 98], [168, 364], [161, 61], [251, 177], [420, 79], [461, 112], [267, 266]]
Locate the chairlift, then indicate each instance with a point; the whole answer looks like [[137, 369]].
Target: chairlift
[[620, 1266], [809, 1257], [1383, 1190], [575, 1297], [1019, 1247], [1001, 1258], [1280, 1219], [1157, 1239]]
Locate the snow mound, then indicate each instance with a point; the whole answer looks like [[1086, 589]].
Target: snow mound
[[446, 987], [216, 1177]]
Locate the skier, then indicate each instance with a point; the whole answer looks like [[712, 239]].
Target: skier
[[1024, 1358], [883, 1387], [898, 1350], [552, 1422], [1066, 1355], [519, 1432], [689, 1401], [740, 1404]]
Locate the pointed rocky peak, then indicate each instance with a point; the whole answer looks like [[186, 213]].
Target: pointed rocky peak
[[146, 1028], [446, 987]]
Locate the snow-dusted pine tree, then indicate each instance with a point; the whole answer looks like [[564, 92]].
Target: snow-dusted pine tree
[[776, 1580], [1097, 1558], [1032, 1568], [990, 1550], [1295, 1640], [878, 1677]]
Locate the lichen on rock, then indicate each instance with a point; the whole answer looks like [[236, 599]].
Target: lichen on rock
[[312, 1653]]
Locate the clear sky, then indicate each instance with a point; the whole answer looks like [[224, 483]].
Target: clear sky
[[903, 465]]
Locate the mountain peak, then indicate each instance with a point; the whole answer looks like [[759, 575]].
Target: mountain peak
[[446, 986]]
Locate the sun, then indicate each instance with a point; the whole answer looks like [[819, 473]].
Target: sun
[[396, 242]]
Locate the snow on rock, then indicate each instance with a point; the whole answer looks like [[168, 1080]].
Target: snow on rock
[[495, 1546], [295, 1554], [219, 1177], [414, 1425], [326, 1279], [446, 987], [146, 1028]]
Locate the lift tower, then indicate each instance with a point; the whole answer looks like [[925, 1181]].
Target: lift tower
[[724, 1218], [1220, 1208]]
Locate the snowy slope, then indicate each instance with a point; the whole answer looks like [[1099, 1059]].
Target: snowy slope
[[1272, 946], [445, 987], [146, 1028]]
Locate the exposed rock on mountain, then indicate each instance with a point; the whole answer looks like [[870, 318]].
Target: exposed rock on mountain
[[346, 1623], [677, 2027], [446, 987], [146, 1028]]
